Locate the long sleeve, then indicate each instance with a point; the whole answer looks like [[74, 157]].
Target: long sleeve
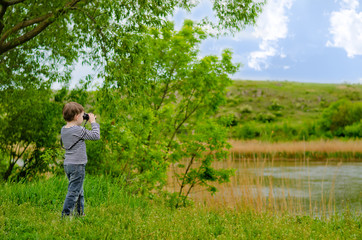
[[75, 136], [93, 134]]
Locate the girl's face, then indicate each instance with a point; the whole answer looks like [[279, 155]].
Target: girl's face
[[79, 118]]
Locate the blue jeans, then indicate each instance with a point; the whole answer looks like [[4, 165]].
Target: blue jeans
[[75, 195]]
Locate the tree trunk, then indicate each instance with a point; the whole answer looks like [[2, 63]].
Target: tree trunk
[[9, 171]]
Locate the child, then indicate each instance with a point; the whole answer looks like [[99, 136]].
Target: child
[[73, 136]]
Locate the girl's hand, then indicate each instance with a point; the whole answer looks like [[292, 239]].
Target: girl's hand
[[92, 118]]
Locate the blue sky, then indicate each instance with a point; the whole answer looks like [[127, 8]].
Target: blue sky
[[294, 40]]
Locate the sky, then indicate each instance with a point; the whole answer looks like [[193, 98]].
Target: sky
[[294, 40]]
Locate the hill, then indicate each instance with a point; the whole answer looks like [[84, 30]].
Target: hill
[[282, 103]]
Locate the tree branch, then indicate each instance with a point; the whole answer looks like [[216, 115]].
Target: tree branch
[[2, 13], [24, 24], [26, 37], [186, 172], [9, 3], [46, 21], [21, 154], [180, 124]]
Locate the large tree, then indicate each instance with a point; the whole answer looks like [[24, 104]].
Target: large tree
[[158, 108], [40, 40]]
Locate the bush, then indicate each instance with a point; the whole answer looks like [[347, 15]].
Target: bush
[[339, 115], [275, 106], [246, 109], [246, 131], [265, 117], [354, 130]]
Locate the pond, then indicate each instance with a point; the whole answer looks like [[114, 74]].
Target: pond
[[296, 186]]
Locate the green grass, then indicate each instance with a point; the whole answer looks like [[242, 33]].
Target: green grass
[[32, 211], [282, 111], [297, 102]]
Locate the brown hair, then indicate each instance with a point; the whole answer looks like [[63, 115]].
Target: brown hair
[[70, 110]]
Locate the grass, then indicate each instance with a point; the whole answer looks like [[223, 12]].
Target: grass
[[296, 186], [283, 111], [297, 102], [329, 146], [32, 211], [321, 150]]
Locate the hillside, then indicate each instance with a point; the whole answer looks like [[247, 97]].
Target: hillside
[[281, 103]]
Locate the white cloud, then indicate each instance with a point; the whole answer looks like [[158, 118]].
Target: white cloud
[[258, 59], [346, 28], [348, 4], [286, 67], [272, 25]]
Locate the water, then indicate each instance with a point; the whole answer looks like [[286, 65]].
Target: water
[[315, 187], [340, 183], [335, 185]]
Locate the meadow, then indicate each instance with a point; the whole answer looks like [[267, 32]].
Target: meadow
[[290, 182], [162, 104], [319, 178], [32, 211], [290, 111], [293, 101]]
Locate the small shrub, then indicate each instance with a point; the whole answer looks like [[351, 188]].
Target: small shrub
[[354, 130], [275, 106], [339, 115], [246, 109], [265, 117], [246, 131]]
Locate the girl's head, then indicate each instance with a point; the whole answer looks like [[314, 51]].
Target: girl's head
[[71, 110]]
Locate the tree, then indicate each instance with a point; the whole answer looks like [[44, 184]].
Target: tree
[[41, 40], [29, 127], [157, 106]]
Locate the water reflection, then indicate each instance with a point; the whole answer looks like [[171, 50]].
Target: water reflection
[[313, 187]]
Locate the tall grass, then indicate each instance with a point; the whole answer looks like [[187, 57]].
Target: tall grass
[[32, 211], [327, 146], [313, 150], [257, 186]]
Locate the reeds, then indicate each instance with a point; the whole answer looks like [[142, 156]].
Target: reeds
[[265, 184], [323, 146], [313, 150]]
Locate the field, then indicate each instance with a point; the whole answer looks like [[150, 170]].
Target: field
[[288, 111], [297, 102], [286, 185], [32, 211]]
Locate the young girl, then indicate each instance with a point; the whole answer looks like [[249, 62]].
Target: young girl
[[73, 136]]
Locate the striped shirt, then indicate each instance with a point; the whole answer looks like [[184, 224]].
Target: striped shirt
[[78, 154]]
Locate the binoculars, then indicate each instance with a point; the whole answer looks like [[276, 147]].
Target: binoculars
[[85, 116]]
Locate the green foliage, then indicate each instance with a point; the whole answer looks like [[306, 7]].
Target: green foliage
[[44, 39], [285, 111], [354, 130], [30, 124], [206, 145], [339, 115], [275, 106], [246, 131], [276, 131], [265, 117], [155, 100], [29, 138], [246, 108], [156, 92]]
